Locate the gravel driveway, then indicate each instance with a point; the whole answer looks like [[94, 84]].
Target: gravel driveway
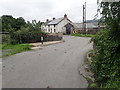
[[54, 65]]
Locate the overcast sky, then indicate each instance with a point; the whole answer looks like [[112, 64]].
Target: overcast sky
[[47, 9]]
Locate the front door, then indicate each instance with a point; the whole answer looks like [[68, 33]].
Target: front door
[[68, 28]]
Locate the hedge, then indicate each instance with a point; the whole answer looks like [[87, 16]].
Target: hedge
[[106, 62]]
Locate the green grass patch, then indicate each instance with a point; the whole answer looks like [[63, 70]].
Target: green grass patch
[[9, 49], [0, 46], [83, 35]]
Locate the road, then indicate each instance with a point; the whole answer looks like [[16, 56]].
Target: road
[[54, 65]]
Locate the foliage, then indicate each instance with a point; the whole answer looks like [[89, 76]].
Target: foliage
[[31, 33], [110, 12], [83, 35], [106, 62], [107, 56], [10, 24], [34, 26], [20, 31], [15, 48], [25, 36], [93, 85], [0, 24], [0, 46], [6, 38]]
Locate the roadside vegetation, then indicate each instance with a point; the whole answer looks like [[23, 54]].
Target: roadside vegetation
[[83, 35], [20, 31], [9, 49], [17, 32], [106, 59]]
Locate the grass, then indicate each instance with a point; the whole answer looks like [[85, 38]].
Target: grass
[[83, 35], [0, 46], [13, 49]]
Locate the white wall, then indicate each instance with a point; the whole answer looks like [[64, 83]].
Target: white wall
[[58, 28]]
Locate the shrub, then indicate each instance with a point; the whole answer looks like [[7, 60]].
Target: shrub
[[6, 38], [25, 36], [105, 63]]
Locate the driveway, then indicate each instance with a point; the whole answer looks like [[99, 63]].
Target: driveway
[[54, 65]]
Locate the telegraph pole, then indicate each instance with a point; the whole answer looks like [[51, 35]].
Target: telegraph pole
[[84, 17]]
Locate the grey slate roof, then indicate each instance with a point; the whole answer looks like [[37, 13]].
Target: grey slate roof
[[88, 25], [77, 25], [55, 21], [92, 21]]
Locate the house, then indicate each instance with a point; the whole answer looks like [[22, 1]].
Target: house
[[60, 25]]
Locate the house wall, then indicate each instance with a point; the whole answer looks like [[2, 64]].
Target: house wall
[[43, 28], [52, 28], [49, 28], [56, 28], [60, 27]]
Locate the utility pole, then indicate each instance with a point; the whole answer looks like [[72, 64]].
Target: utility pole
[[84, 17]]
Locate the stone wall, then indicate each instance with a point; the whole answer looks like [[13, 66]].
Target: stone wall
[[53, 37]]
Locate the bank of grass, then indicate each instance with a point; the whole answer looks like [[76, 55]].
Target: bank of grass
[[82, 35], [13, 49]]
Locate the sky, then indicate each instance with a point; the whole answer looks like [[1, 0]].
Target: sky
[[41, 10]]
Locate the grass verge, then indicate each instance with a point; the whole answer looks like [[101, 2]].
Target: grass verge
[[83, 35], [9, 49]]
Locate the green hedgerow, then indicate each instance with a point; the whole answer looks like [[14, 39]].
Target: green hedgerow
[[106, 62]]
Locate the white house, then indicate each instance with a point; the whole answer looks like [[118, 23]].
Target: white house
[[60, 25]]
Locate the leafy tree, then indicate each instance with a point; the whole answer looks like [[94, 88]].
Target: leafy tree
[[110, 12], [20, 31], [34, 26], [106, 62], [0, 24], [9, 23], [20, 22]]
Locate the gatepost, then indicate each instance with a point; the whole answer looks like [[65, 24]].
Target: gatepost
[[42, 39]]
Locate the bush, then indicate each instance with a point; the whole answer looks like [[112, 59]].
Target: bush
[[6, 38], [106, 62], [25, 36], [13, 42]]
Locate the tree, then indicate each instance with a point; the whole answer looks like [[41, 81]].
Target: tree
[[19, 23], [106, 60], [9, 23], [110, 12], [34, 26]]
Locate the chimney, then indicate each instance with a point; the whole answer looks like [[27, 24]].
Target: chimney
[[47, 20], [53, 18], [65, 16]]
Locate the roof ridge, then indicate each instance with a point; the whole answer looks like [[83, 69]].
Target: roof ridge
[[55, 21]]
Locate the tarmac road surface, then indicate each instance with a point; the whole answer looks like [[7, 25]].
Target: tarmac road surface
[[55, 66]]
